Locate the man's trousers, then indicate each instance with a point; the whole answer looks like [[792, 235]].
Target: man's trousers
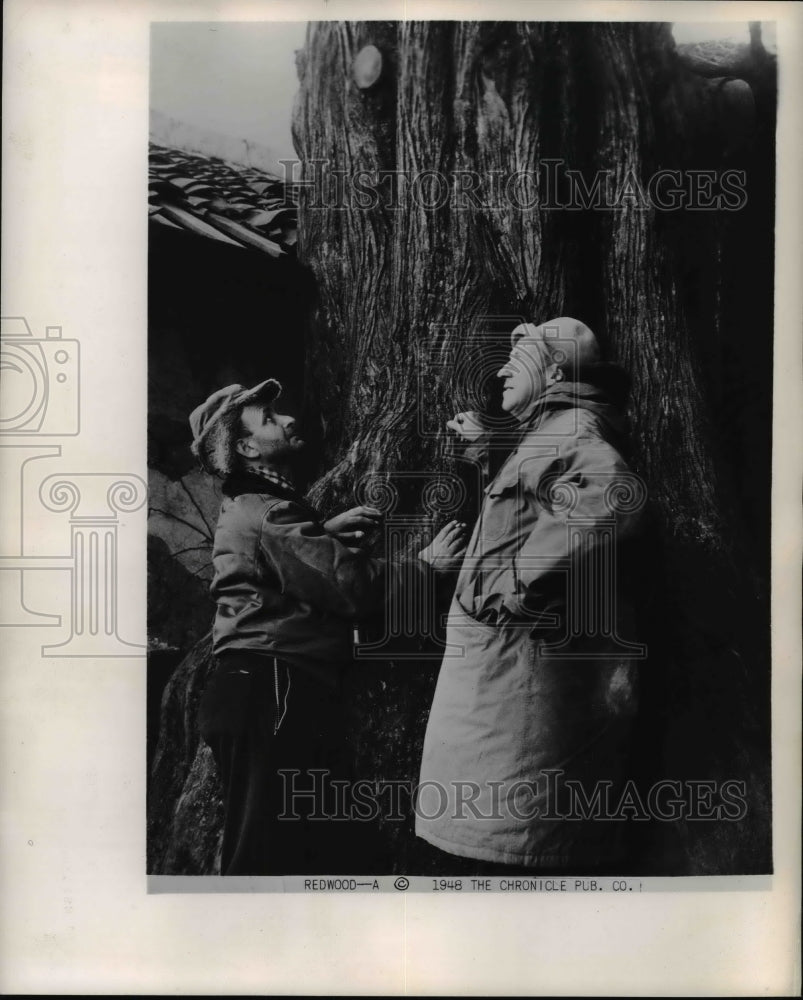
[[278, 739]]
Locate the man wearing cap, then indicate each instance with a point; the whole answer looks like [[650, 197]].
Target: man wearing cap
[[541, 689], [288, 589]]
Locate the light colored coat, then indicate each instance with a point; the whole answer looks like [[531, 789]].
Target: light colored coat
[[537, 685]]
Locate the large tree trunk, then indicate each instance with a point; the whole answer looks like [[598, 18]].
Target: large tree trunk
[[682, 299], [663, 290]]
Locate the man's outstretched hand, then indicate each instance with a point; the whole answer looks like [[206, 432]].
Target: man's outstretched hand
[[445, 552], [353, 525], [467, 425]]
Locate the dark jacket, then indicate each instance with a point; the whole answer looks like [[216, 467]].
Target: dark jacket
[[285, 587]]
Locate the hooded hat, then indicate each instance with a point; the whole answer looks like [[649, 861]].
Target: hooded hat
[[564, 341], [587, 381]]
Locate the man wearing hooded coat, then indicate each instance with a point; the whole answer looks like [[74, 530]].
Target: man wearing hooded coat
[[525, 747]]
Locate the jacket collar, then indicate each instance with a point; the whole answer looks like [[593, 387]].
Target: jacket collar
[[253, 481], [600, 388]]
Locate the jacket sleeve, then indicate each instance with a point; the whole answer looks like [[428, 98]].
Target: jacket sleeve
[[478, 452], [320, 570], [586, 499]]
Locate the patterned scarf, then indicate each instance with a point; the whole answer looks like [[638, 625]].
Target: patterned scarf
[[265, 472]]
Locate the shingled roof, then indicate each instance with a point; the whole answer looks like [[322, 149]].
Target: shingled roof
[[240, 205]]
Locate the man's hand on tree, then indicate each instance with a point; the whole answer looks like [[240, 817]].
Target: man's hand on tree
[[445, 552], [467, 425], [351, 526]]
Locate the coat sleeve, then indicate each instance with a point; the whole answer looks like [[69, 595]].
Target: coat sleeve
[[320, 570], [586, 499], [478, 452]]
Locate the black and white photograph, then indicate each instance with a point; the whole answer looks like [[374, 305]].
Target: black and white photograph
[[459, 449], [401, 530]]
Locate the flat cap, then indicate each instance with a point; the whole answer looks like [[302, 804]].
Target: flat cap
[[206, 417]]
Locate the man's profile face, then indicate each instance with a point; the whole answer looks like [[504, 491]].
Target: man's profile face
[[524, 376], [269, 436]]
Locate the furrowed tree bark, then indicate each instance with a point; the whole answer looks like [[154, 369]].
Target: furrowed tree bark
[[408, 298], [400, 285]]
